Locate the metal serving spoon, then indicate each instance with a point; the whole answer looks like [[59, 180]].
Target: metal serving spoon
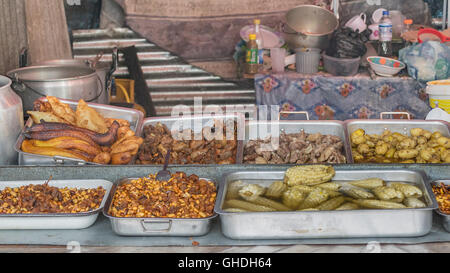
[[165, 175]]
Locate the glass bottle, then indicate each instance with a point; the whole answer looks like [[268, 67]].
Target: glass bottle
[[259, 41], [251, 66]]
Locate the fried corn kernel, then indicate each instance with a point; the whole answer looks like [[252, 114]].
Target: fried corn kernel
[[44, 199], [442, 193], [181, 197]]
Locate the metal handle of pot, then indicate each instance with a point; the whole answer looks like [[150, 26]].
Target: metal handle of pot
[[283, 29], [102, 88], [293, 112], [23, 86], [20, 86], [114, 65], [408, 115], [146, 229]]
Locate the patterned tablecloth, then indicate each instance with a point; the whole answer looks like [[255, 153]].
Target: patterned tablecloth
[[327, 97]]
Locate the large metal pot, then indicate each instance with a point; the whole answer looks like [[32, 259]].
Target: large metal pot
[[309, 26], [101, 68], [66, 82], [11, 122]]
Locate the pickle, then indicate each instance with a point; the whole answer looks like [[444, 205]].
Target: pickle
[[276, 189], [270, 203], [388, 194], [407, 189], [315, 198], [251, 192], [412, 202], [332, 204], [293, 197], [378, 204], [357, 193], [369, 184], [329, 186], [235, 210], [348, 206], [239, 204], [233, 189]]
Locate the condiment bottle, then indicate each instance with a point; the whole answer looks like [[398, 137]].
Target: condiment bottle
[[252, 66], [259, 41]]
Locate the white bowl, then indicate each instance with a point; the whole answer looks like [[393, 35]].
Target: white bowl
[[385, 70]]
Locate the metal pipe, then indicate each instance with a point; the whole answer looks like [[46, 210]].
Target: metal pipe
[[444, 14], [448, 14]]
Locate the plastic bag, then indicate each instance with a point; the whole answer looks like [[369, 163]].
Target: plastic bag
[[347, 43], [427, 61]]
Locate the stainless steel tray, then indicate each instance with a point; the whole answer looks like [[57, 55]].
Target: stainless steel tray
[[54, 221], [444, 217], [332, 127], [328, 224], [188, 122], [375, 126], [156, 226], [135, 118]]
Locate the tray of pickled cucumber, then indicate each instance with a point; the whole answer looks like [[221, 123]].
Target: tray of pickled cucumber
[[316, 201]]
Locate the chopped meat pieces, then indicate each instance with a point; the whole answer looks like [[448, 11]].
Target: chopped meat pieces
[[299, 148]]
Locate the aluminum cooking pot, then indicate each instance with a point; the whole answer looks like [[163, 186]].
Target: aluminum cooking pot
[[309, 26], [101, 68], [66, 82]]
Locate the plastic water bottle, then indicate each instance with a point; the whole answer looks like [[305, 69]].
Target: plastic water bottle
[[385, 42], [407, 27], [259, 41]]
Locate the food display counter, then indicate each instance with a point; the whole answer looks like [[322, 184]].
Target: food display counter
[[307, 190]]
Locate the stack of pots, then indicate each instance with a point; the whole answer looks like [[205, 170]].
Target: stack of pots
[[308, 30]]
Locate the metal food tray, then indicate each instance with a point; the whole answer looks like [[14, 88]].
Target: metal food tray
[[444, 217], [54, 220], [135, 118], [328, 224], [187, 122], [156, 226], [376, 126], [332, 127]]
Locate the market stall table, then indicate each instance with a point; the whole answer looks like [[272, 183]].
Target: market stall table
[[326, 97], [100, 236]]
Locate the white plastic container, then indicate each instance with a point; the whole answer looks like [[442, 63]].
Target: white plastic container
[[439, 94]]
